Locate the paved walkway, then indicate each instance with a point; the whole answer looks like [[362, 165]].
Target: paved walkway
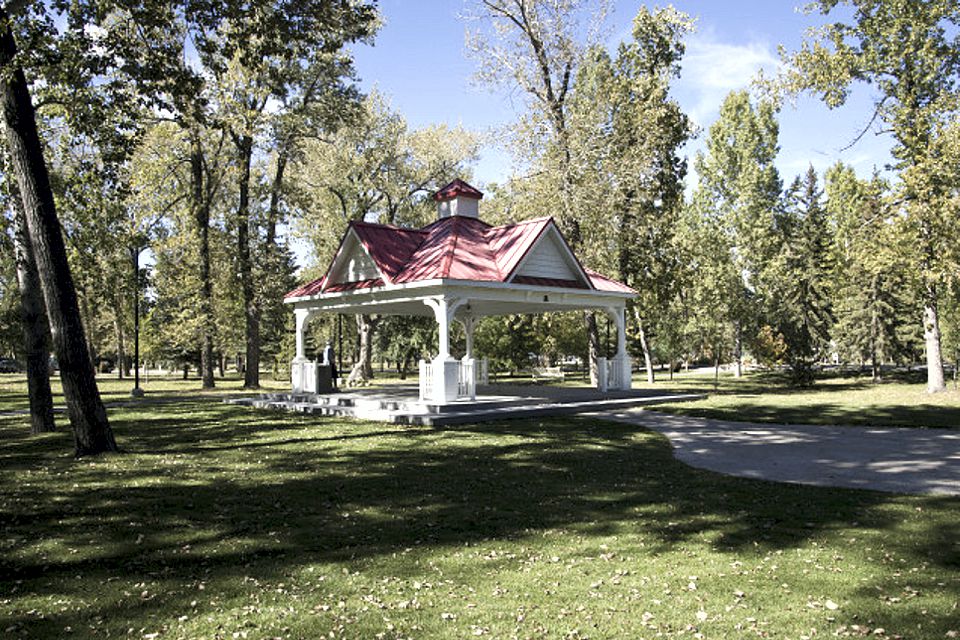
[[890, 459]]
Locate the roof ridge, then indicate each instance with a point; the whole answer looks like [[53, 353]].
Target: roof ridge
[[454, 239], [527, 221], [393, 227]]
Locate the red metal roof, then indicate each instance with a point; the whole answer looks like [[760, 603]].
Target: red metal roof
[[353, 286], [457, 188], [603, 283], [458, 248], [390, 247]]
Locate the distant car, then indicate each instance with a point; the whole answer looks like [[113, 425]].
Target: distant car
[[9, 365]]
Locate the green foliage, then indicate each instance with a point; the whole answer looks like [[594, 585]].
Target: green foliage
[[731, 229], [510, 342], [909, 52], [375, 169], [404, 340], [798, 279], [875, 298]]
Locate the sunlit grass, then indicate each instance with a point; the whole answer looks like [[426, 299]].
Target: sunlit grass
[[842, 400], [220, 521], [114, 390]]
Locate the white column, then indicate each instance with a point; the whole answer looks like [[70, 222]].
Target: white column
[[301, 380], [617, 315], [467, 363], [621, 361], [303, 319], [469, 323], [445, 368]]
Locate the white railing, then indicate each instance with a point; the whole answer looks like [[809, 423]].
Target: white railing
[[614, 374], [467, 372], [467, 379], [483, 373], [426, 380], [303, 376]]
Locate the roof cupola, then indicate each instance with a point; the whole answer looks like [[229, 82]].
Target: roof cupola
[[458, 199]]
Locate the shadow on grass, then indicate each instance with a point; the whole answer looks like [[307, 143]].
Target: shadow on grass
[[215, 493]]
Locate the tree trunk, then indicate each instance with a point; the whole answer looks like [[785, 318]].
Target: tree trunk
[[366, 325], [276, 190], [88, 418], [34, 327], [716, 369], [593, 347], [201, 215], [931, 336], [738, 349], [86, 320], [645, 347], [251, 308]]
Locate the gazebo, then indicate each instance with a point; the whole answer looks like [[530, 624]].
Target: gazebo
[[462, 269]]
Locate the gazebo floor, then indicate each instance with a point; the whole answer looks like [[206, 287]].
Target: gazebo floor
[[400, 404]]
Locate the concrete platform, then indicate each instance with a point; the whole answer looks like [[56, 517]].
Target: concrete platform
[[399, 404]]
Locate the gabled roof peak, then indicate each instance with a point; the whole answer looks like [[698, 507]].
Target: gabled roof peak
[[457, 188]]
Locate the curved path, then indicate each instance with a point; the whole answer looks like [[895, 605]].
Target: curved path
[[898, 460]]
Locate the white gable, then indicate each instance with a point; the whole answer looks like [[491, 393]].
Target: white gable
[[550, 258], [353, 263]]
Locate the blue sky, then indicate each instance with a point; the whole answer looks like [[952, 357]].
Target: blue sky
[[419, 62]]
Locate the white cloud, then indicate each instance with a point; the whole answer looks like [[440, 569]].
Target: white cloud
[[711, 69]]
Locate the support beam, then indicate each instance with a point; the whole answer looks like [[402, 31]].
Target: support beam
[[445, 368], [469, 323], [443, 311], [618, 316], [623, 369], [303, 320]]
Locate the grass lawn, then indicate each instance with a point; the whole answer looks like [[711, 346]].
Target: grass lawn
[[224, 522], [843, 400], [13, 395]]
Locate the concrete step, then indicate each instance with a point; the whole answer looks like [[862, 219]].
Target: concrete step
[[459, 413]]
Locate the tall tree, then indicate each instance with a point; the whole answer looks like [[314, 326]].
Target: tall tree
[[909, 52], [537, 46], [35, 331], [739, 191], [268, 52], [798, 278], [626, 133], [873, 298], [375, 169], [88, 418]]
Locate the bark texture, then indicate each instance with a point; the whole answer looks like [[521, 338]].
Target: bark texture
[[593, 346], [931, 336], [363, 369], [88, 418], [645, 347], [738, 349], [251, 308], [34, 328], [201, 215]]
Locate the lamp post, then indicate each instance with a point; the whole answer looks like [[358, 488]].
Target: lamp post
[[135, 250]]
